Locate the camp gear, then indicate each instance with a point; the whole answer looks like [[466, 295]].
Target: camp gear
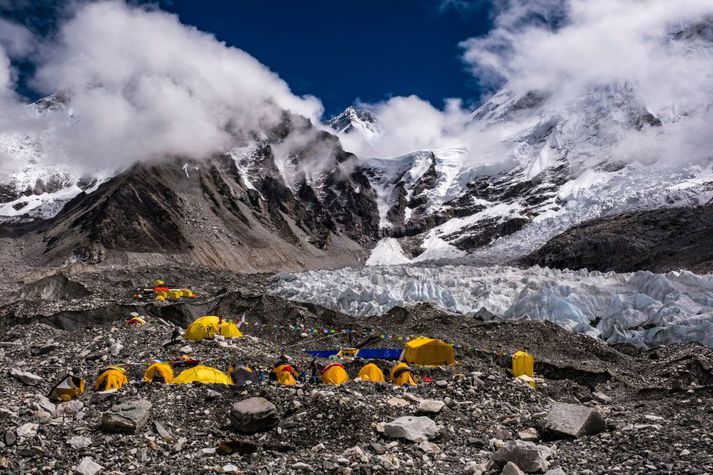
[[203, 375], [159, 371], [285, 375], [67, 389], [185, 361], [371, 372], [113, 378], [334, 374], [402, 375], [523, 363], [244, 376], [428, 352], [364, 353], [135, 321], [208, 326], [348, 352]]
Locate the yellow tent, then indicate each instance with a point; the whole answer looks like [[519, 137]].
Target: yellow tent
[[162, 370], [372, 373], [229, 330], [523, 363], [67, 389], [428, 352], [334, 374], [202, 374], [401, 375], [208, 326], [113, 377], [285, 375]]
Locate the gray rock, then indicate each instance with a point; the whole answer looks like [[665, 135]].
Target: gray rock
[[25, 378], [429, 447], [511, 469], [529, 435], [69, 407], [526, 455], [555, 471], [430, 406], [26, 431], [87, 466], [573, 420], [126, 418], [45, 403], [255, 414], [415, 429], [161, 431], [10, 438], [79, 442], [302, 467]]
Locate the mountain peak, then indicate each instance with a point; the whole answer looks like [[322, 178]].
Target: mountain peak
[[355, 119]]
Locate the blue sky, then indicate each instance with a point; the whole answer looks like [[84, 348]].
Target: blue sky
[[348, 50]]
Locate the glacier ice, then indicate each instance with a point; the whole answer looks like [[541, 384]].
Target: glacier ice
[[641, 308]]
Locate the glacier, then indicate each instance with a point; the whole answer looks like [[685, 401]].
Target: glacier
[[641, 308]]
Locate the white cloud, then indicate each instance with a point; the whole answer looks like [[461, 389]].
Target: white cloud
[[143, 86]]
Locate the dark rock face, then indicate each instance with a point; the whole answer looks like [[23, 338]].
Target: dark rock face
[[659, 240]]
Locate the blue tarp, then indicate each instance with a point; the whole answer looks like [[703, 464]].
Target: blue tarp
[[365, 353], [380, 353]]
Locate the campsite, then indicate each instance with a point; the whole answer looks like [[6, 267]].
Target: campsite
[[473, 403]]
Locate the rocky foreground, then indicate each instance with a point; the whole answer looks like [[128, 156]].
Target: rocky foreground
[[596, 409]]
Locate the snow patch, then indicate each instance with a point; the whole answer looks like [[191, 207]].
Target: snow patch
[[387, 252]]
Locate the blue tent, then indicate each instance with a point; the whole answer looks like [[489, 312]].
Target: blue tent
[[322, 353]]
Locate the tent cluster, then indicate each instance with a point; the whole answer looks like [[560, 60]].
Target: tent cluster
[[208, 326], [420, 351], [161, 291]]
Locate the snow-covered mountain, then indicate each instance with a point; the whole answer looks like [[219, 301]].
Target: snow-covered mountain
[[567, 162], [356, 120], [33, 185]]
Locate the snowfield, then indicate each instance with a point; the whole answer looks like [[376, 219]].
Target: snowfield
[[640, 308]]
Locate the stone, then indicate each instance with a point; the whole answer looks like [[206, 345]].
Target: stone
[[212, 394], [356, 453], [26, 431], [161, 431], [230, 468], [87, 466], [441, 383], [526, 455], [398, 402], [302, 467], [503, 434], [529, 435], [70, 407], [10, 438], [429, 447], [601, 397], [511, 469], [45, 403], [127, 417], [430, 406], [377, 448], [26, 378], [555, 471], [255, 414], [413, 428], [573, 420], [79, 442]]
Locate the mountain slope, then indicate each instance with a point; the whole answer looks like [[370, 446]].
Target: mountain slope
[[658, 240], [234, 211]]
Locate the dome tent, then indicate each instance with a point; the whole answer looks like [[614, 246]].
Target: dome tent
[[334, 374], [209, 326], [428, 352], [203, 375], [163, 371], [371, 372], [112, 379]]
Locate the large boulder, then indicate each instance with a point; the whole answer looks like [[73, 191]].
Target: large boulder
[[527, 456], [511, 469], [573, 420], [126, 418], [415, 429], [255, 414]]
